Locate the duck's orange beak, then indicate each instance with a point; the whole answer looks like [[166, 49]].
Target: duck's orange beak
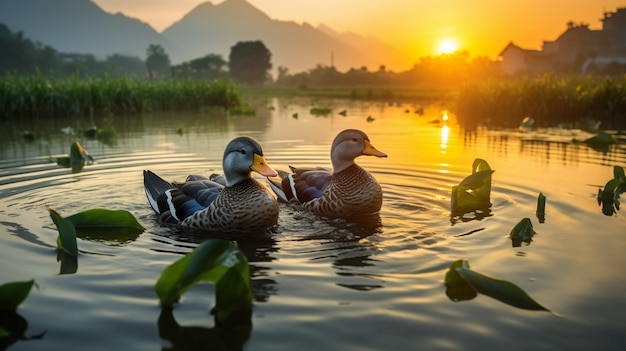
[[370, 150], [261, 167]]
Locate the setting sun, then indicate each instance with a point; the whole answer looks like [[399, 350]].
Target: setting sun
[[447, 46]]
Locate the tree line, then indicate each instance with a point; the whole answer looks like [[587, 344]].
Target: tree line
[[249, 62]]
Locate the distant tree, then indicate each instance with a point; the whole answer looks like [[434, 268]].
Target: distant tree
[[127, 65], [249, 62], [157, 60], [283, 73]]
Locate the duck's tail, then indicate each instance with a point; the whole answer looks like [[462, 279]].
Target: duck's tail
[[276, 186], [154, 186]]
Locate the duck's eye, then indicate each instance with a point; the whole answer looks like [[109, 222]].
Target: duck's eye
[[243, 152], [355, 139]]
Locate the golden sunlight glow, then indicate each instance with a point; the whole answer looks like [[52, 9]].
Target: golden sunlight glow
[[445, 132], [447, 46]]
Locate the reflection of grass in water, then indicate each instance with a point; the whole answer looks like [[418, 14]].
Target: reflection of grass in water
[[384, 93], [550, 100]]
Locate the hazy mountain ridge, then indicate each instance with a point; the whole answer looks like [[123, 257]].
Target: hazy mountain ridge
[[81, 26]]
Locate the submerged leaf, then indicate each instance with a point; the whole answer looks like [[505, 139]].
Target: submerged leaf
[[211, 261], [67, 233], [14, 293], [103, 218], [501, 290]]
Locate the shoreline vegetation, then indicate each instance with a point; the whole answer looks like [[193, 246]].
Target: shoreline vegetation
[[550, 100]]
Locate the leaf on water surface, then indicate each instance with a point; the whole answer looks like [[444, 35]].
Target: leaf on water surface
[[457, 288], [541, 208], [103, 218], [501, 290], [67, 233], [14, 293], [217, 261], [523, 231], [474, 192], [601, 139], [608, 197]]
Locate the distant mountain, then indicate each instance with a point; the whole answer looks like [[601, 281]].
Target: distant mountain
[[80, 26], [386, 54], [212, 28]]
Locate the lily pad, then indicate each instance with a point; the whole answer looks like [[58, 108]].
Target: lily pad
[[103, 218]]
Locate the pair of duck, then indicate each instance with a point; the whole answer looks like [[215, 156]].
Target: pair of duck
[[236, 202]]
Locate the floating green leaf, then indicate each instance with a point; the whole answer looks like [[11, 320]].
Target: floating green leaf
[[474, 192], [67, 233], [14, 293], [501, 290], [457, 288], [103, 218], [217, 261], [541, 208], [320, 111], [601, 139], [523, 231], [609, 196]]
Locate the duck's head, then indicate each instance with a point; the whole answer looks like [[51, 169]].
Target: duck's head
[[242, 156], [350, 144]]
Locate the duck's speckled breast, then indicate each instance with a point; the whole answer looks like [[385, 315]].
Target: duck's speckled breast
[[245, 207], [352, 192]]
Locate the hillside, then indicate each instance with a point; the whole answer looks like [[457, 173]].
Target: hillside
[[81, 26]]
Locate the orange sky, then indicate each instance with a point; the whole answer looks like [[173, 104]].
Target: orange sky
[[483, 27]]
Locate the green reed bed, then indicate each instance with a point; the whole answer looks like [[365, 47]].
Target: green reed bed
[[40, 96], [550, 100]]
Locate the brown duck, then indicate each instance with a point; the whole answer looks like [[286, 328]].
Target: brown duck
[[347, 191]]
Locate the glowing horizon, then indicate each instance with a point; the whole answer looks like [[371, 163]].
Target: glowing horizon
[[482, 27]]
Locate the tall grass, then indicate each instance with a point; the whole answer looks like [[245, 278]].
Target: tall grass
[[40, 96], [550, 100]]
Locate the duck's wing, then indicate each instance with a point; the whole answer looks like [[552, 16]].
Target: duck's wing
[[302, 185], [154, 186], [176, 201]]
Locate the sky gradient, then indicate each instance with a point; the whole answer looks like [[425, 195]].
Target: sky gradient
[[482, 27]]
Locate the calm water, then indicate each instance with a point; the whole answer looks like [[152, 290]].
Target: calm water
[[319, 284]]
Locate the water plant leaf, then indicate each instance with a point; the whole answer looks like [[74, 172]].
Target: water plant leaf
[[103, 218], [211, 261], [601, 139], [14, 293], [523, 231], [608, 197], [498, 289], [78, 154], [541, 208], [457, 288], [67, 233], [474, 191]]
